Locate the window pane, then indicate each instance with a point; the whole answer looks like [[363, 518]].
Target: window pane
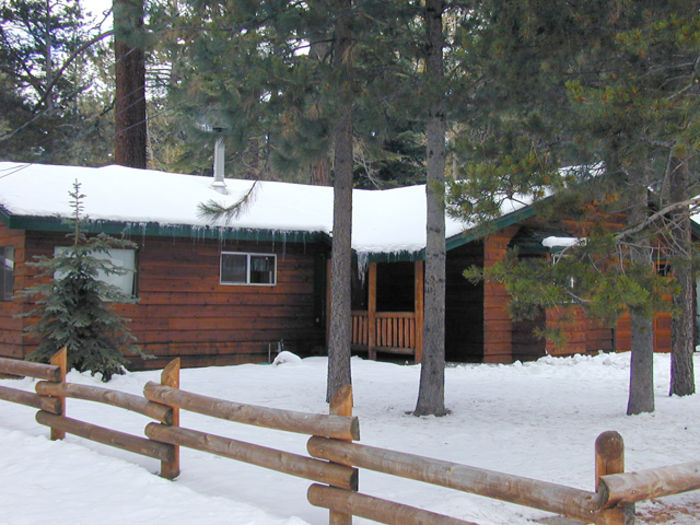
[[120, 257], [262, 269], [125, 259], [233, 268], [7, 266]]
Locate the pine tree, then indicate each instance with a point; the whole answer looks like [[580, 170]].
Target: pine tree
[[130, 81], [74, 310], [608, 83], [431, 394], [46, 96]]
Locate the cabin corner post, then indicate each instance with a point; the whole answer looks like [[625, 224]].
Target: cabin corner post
[[610, 459], [371, 312], [171, 377], [341, 405], [418, 309], [60, 359]]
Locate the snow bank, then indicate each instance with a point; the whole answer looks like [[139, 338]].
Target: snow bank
[[535, 419]]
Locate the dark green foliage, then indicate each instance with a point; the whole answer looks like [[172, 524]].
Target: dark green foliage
[[50, 110], [74, 311], [262, 71], [612, 85], [608, 86]]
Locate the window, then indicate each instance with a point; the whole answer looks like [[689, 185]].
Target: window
[[7, 262], [248, 268], [121, 258]]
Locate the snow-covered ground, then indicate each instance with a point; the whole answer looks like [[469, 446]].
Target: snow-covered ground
[[538, 420]]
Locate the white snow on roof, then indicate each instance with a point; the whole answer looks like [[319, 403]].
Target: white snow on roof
[[385, 221]]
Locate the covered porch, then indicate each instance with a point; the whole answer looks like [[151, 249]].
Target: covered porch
[[387, 314]]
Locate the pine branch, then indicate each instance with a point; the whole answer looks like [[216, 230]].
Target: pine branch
[[694, 202], [215, 211]]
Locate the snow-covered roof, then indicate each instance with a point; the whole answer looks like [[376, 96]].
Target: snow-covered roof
[[384, 221]]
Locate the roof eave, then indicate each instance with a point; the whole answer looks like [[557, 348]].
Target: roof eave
[[57, 224]]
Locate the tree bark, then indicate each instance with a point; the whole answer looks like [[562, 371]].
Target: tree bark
[[341, 253], [431, 393], [130, 76], [641, 392], [682, 322]]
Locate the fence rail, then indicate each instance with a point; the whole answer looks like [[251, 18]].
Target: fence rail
[[551, 497], [294, 464], [339, 427], [107, 396], [335, 457], [16, 367]]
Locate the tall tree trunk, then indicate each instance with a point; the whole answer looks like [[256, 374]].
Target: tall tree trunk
[[130, 72], [641, 392], [431, 393], [341, 253], [320, 167], [682, 333]]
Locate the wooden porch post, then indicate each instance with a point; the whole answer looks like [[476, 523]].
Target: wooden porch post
[[371, 311], [418, 309]]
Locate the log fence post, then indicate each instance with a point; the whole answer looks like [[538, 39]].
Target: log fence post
[[60, 359], [171, 377], [341, 405], [610, 459]]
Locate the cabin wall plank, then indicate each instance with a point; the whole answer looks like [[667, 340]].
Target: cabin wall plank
[[183, 310]]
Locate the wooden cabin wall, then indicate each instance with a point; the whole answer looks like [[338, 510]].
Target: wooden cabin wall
[[498, 327], [183, 310], [11, 327], [527, 345], [581, 334], [464, 307], [662, 333]]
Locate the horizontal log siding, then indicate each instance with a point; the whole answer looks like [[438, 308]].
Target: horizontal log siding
[[464, 307], [182, 310], [581, 335], [11, 327], [498, 328], [662, 333]]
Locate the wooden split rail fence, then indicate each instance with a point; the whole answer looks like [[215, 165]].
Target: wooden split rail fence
[[335, 457]]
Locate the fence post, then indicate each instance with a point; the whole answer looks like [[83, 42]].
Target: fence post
[[171, 377], [610, 459], [341, 405], [60, 359]]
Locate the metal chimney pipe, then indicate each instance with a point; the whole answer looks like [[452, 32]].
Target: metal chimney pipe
[[219, 150]]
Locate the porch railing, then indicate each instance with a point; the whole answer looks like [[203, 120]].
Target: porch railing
[[393, 332]]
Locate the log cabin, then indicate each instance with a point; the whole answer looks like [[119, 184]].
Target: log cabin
[[239, 291]]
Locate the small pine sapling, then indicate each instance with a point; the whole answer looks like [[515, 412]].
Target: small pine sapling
[[74, 308]]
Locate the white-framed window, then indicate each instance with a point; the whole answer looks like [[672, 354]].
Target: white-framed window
[[124, 258], [244, 268], [7, 269]]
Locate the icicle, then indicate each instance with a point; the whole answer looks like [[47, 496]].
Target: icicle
[[362, 264]]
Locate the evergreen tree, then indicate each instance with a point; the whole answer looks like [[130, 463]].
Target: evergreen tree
[[431, 394], [47, 102], [74, 310], [130, 81], [603, 84]]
